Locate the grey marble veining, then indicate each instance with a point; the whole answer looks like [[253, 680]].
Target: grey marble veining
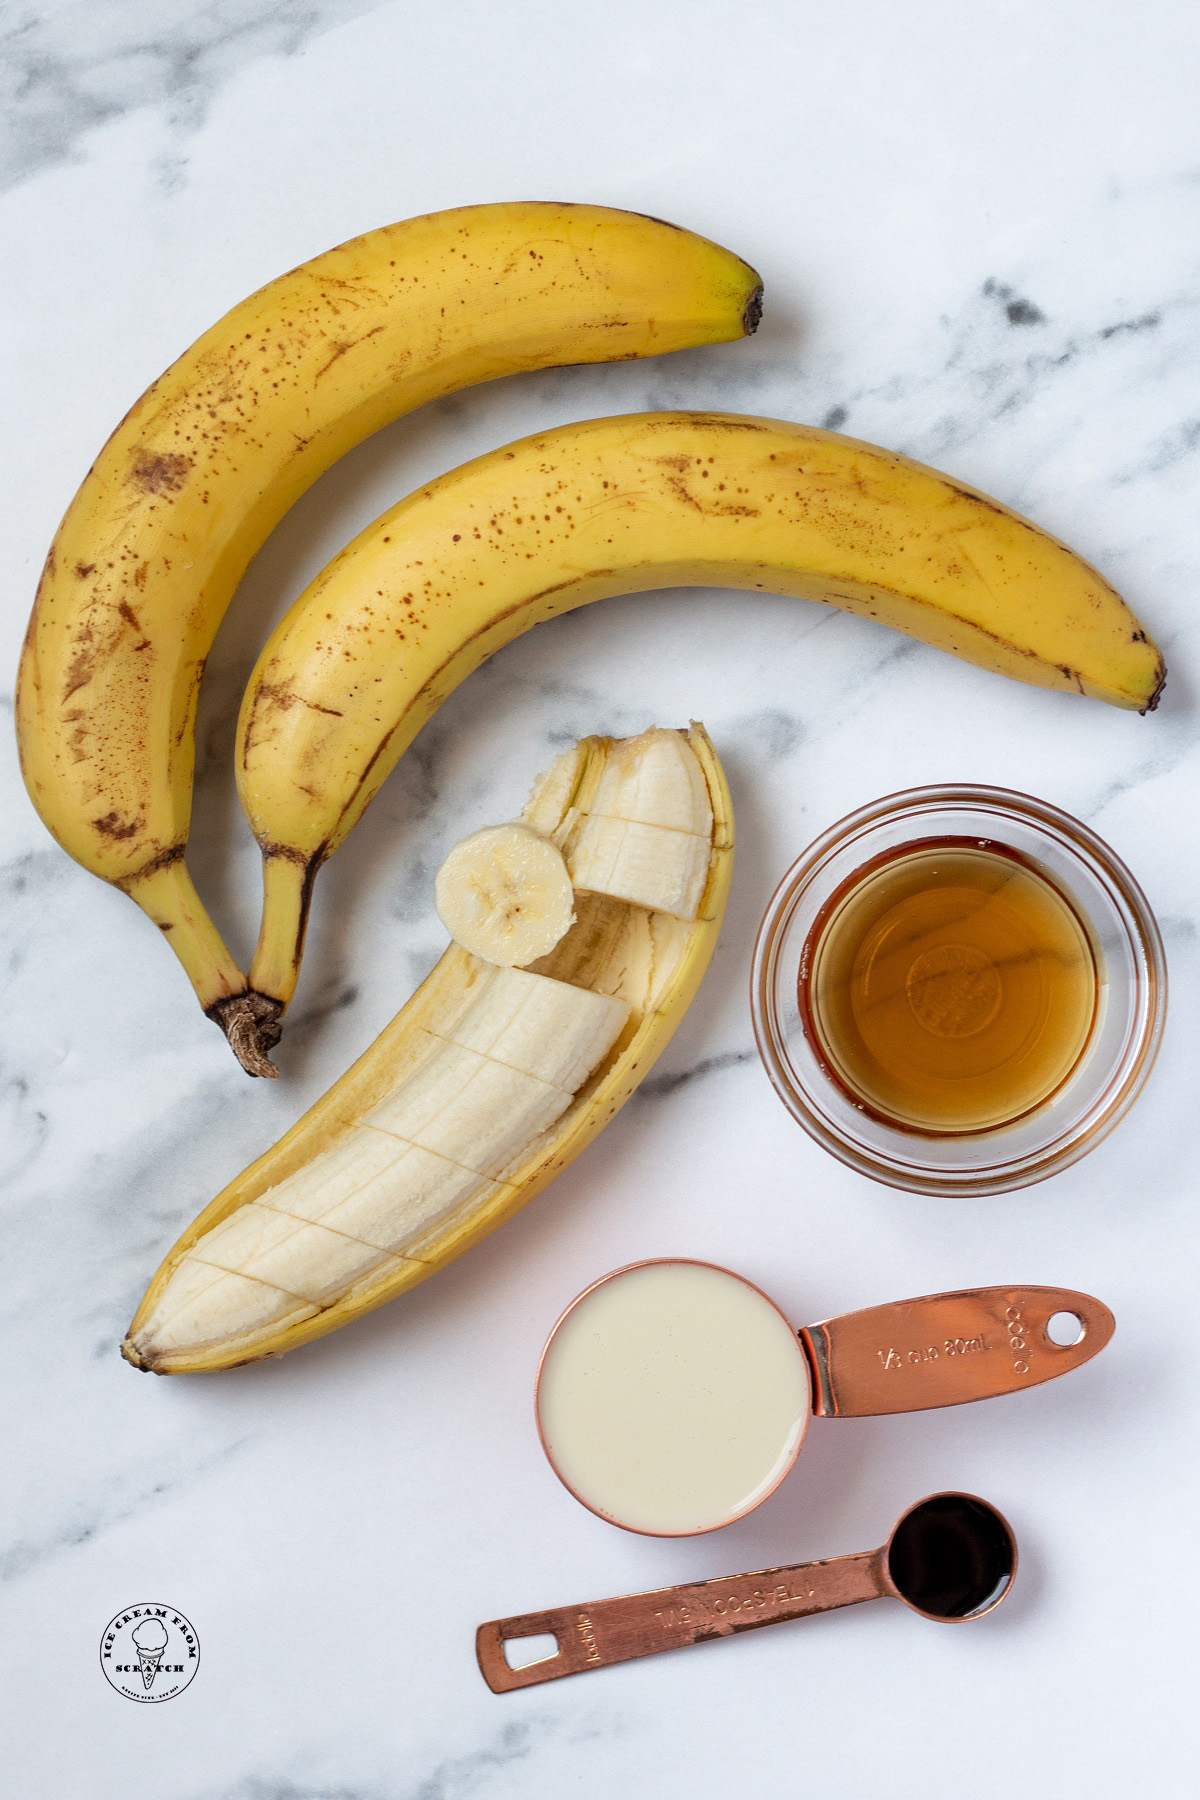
[[72, 65]]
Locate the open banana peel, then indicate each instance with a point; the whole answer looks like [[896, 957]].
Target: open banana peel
[[491, 1079]]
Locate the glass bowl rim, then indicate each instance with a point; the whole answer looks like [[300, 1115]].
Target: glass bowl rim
[[1080, 843]]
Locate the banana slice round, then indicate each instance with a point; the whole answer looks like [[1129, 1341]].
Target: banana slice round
[[505, 895]]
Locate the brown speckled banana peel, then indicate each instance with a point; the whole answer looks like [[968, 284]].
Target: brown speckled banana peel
[[210, 458], [610, 506], [605, 951]]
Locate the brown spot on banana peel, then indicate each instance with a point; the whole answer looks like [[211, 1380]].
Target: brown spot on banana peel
[[286, 698], [161, 860], [81, 669], [113, 827], [1156, 696], [159, 471]]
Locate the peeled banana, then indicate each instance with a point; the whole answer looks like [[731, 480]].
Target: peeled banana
[[488, 1083], [464, 565], [213, 454]]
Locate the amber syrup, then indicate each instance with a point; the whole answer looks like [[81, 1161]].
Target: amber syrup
[[949, 987]]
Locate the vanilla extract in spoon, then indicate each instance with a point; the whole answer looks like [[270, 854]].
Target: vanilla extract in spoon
[[949, 1558]]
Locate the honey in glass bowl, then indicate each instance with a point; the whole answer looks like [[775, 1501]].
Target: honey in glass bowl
[[949, 987]]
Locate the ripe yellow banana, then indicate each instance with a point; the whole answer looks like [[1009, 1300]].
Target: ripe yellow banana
[[488, 1083], [211, 457], [463, 566]]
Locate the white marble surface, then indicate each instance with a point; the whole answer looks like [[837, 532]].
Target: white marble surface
[[978, 231]]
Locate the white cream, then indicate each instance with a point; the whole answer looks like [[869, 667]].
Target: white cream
[[673, 1397]]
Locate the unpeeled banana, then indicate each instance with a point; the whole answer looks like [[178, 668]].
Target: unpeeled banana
[[464, 565], [213, 454], [488, 1083]]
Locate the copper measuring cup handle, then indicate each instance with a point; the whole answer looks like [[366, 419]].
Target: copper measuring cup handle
[[943, 1349], [602, 1632], [933, 1575]]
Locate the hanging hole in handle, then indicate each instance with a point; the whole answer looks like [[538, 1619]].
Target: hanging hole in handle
[[1065, 1329], [521, 1652]]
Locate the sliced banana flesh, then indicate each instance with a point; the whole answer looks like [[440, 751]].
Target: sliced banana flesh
[[203, 1305], [431, 1150], [652, 867], [552, 801], [505, 895], [655, 779], [547, 1029], [646, 836], [488, 1082]]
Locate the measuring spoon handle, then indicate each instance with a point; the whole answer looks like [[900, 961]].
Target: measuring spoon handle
[[943, 1349], [600, 1632]]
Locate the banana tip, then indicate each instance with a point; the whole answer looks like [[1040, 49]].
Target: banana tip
[[752, 315], [251, 1022], [133, 1355], [1159, 685]]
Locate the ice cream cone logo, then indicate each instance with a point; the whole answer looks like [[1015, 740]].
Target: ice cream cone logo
[[151, 1640], [149, 1652]]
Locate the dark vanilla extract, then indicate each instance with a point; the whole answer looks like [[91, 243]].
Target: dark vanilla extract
[[949, 987], [951, 1556]]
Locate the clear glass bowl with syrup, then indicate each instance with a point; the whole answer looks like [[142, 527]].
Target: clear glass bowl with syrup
[[958, 990]]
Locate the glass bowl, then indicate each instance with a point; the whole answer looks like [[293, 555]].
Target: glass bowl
[[1130, 1009]]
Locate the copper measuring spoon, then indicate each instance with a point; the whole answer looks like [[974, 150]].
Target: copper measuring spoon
[[951, 1557]]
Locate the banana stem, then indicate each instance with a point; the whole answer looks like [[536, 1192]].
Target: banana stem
[[287, 891], [166, 895]]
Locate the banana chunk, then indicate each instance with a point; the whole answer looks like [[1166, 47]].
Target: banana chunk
[[469, 1109], [297, 1256], [655, 779], [552, 797], [202, 1305], [505, 895], [545, 1028], [488, 1083], [647, 864], [412, 1200], [352, 1162]]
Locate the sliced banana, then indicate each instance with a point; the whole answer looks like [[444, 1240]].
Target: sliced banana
[[294, 1255], [203, 1305], [505, 895], [652, 866], [646, 833], [655, 779], [392, 1185], [552, 798], [544, 1028], [469, 1109], [485, 1085]]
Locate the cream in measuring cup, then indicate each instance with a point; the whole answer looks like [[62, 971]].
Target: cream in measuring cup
[[673, 1396]]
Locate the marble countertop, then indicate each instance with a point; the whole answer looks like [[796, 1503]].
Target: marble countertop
[[978, 235]]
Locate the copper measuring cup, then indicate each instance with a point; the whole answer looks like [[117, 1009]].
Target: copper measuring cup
[[907, 1356], [951, 1558]]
